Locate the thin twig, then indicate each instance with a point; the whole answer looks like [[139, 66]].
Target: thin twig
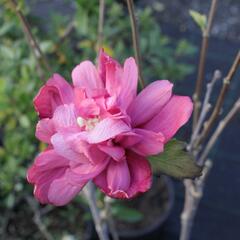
[[222, 124], [40, 58], [205, 108], [37, 219], [109, 218], [202, 60], [100, 226], [135, 39], [100, 24], [193, 194], [226, 82]]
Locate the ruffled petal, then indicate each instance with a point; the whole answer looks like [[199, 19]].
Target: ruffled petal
[[55, 92], [86, 171], [61, 191], [140, 178], [44, 130], [152, 143], [65, 117], [118, 178], [141, 175], [103, 60], [149, 102], [129, 83], [85, 75], [174, 115], [48, 166], [62, 143], [116, 152], [106, 129]]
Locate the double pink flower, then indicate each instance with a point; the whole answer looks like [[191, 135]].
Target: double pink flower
[[99, 129]]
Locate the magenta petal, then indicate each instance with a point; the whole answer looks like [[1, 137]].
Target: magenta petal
[[118, 178], [152, 143], [48, 166], [128, 139], [117, 153], [45, 161], [62, 144], [129, 83], [103, 60], [44, 130], [61, 191], [140, 178], [114, 75], [106, 129], [86, 171], [141, 175], [45, 179], [149, 102], [91, 151], [85, 75], [175, 114], [88, 108], [55, 92], [65, 117]]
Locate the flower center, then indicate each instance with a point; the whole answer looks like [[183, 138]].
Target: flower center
[[89, 123]]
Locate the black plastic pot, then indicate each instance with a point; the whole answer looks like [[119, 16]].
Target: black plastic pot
[[165, 196]]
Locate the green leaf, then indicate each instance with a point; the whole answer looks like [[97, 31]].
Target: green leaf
[[175, 161], [126, 214], [199, 19]]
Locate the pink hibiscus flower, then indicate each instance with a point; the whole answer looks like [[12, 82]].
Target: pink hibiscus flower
[[99, 129]]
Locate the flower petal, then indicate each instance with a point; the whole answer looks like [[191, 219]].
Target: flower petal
[[47, 167], [117, 153], [61, 191], [151, 143], [41, 187], [45, 161], [86, 171], [55, 92], [103, 60], [118, 178], [140, 178], [129, 83], [62, 145], [149, 102], [44, 130], [85, 75], [175, 114], [65, 117], [106, 129], [141, 175]]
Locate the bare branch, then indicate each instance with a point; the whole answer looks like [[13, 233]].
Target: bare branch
[[226, 82], [222, 124], [135, 39], [193, 195], [100, 226], [109, 218], [202, 60], [37, 219], [205, 109]]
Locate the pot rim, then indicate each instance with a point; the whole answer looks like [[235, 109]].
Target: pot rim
[[161, 219]]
